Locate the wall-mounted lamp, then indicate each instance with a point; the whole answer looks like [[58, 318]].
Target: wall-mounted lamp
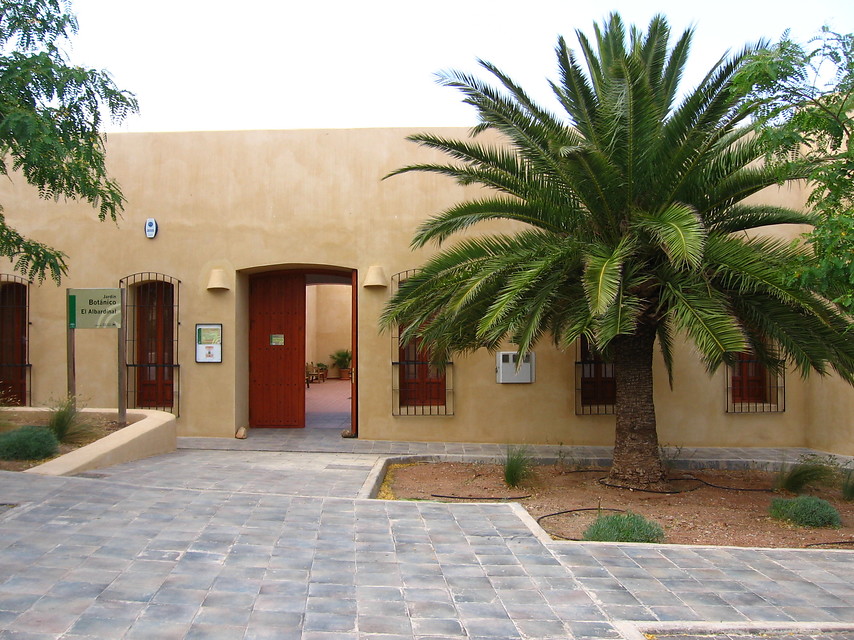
[[375, 277], [218, 280]]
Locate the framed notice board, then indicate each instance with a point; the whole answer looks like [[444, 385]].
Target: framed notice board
[[208, 343]]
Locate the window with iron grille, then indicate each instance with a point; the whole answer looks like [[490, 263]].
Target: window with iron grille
[[419, 387], [595, 384], [152, 341], [752, 388], [14, 341]]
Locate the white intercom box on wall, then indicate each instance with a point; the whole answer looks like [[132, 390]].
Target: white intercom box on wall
[[507, 372]]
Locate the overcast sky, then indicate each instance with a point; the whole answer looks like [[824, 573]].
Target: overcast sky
[[281, 64]]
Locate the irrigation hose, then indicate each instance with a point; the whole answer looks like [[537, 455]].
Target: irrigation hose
[[604, 481], [560, 513], [717, 486]]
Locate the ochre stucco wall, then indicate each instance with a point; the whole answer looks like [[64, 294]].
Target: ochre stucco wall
[[251, 201]]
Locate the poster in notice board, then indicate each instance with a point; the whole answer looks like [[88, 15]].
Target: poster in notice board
[[208, 343]]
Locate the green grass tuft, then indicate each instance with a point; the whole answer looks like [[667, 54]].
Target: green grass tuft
[[624, 527], [806, 511], [794, 478], [66, 423], [28, 443], [517, 465]]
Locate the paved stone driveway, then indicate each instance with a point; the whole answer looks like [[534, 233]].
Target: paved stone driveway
[[270, 544]]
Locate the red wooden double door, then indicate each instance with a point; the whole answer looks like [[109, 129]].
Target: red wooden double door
[[277, 350]]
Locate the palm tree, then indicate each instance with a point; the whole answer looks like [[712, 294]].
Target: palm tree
[[634, 219]]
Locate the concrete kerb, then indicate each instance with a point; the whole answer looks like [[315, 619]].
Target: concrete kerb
[[690, 462], [643, 630], [151, 433], [371, 486], [374, 481]]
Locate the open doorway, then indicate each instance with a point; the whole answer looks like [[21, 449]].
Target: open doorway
[[289, 311], [328, 321]]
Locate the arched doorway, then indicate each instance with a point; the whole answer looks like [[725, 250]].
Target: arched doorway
[[277, 344]]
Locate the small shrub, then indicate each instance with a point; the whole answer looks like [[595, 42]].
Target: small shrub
[[806, 511], [793, 479], [848, 485], [624, 527], [66, 424], [28, 443], [517, 466]]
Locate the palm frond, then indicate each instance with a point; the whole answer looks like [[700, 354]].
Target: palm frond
[[742, 217], [603, 268], [808, 343], [651, 50], [575, 93], [664, 335], [678, 231], [619, 319], [672, 73], [748, 266], [530, 136], [466, 214], [523, 269], [704, 316]]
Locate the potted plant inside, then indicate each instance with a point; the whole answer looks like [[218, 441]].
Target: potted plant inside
[[342, 359]]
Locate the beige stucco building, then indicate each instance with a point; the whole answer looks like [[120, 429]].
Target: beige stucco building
[[292, 242]]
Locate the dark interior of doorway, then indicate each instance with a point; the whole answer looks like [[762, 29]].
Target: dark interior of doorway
[[328, 403]]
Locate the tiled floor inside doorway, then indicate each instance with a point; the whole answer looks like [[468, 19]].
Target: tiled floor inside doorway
[[327, 405]]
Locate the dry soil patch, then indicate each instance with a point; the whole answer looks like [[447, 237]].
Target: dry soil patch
[[99, 425], [699, 515]]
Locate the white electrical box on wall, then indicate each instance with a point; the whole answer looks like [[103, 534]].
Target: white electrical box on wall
[[506, 371]]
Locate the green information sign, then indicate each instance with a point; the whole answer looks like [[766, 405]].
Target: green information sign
[[94, 308]]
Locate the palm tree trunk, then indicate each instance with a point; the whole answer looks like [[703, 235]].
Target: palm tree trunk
[[637, 458]]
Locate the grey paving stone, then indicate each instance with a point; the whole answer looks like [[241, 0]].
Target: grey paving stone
[[329, 622], [375, 624], [208, 631], [673, 613], [226, 536], [147, 628], [591, 630], [491, 628], [444, 627], [541, 629]]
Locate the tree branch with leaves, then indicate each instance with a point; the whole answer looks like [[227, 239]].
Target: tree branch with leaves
[[805, 98], [51, 115]]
